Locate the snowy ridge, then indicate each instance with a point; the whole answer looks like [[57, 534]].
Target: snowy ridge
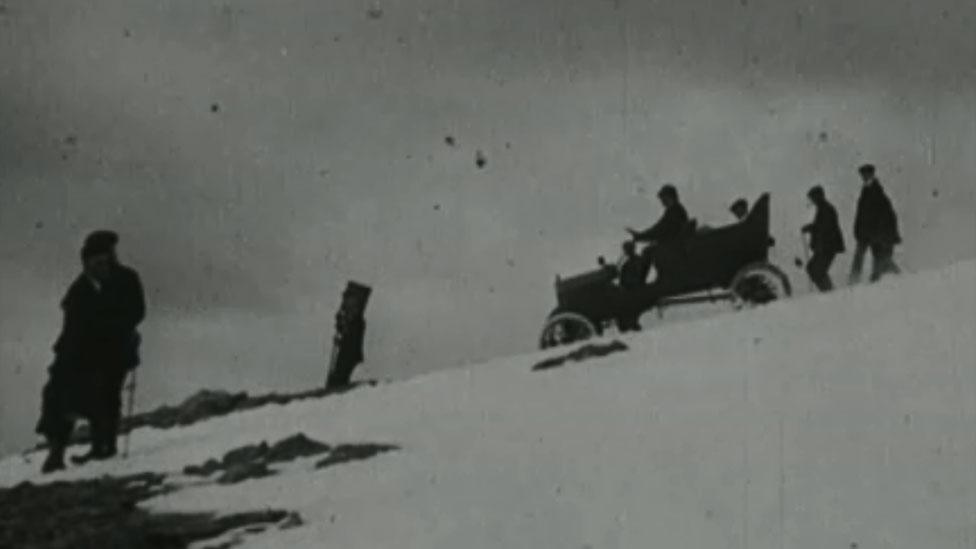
[[821, 422]]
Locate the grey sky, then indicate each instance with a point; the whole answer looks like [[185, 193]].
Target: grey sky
[[325, 159]]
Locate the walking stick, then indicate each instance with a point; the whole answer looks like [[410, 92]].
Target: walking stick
[[131, 389]]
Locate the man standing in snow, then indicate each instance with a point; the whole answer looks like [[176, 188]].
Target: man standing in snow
[[97, 348], [350, 332], [826, 239], [875, 228]]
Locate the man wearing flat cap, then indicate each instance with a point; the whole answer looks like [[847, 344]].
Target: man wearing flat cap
[[875, 228], [97, 348], [672, 224], [826, 239], [349, 335]]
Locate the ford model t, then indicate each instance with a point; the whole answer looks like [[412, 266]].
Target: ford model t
[[729, 263]]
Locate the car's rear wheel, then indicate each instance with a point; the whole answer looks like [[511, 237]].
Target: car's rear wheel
[[758, 284]]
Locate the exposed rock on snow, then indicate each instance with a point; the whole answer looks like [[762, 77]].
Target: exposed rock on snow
[[207, 404], [588, 351], [104, 513], [345, 453], [239, 472], [252, 460], [208, 468], [294, 447]]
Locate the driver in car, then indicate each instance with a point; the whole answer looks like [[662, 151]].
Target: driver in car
[[671, 225]]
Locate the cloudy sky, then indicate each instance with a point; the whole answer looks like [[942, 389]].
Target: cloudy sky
[[255, 155]]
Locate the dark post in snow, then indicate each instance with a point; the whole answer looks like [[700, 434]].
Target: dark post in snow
[[350, 329]]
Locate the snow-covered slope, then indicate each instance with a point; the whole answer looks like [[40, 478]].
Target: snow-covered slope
[[817, 423]]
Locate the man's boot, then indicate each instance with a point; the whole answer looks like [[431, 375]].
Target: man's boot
[[55, 459], [99, 433], [108, 447]]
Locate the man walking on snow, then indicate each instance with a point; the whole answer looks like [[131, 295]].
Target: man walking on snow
[[826, 239], [97, 348], [875, 228]]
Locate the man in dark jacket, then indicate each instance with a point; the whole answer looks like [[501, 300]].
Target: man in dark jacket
[[826, 239], [672, 224], [350, 333], [875, 228], [97, 348]]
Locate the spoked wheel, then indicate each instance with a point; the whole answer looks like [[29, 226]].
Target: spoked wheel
[[759, 284], [566, 328]]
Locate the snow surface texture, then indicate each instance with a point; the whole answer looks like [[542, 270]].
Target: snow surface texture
[[825, 422]]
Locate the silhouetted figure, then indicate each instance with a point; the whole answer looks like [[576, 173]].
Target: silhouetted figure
[[350, 332], [673, 224], [631, 278], [875, 228], [826, 239], [740, 209], [97, 348]]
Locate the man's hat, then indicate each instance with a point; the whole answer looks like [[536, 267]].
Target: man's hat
[[816, 192], [668, 190], [99, 242], [866, 170], [739, 204], [357, 290]]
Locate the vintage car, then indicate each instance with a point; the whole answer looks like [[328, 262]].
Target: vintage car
[[729, 263]]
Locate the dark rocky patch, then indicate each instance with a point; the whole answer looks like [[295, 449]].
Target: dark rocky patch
[[345, 453], [586, 352], [104, 513], [245, 454], [294, 447], [252, 460], [207, 404], [239, 472], [206, 469]]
